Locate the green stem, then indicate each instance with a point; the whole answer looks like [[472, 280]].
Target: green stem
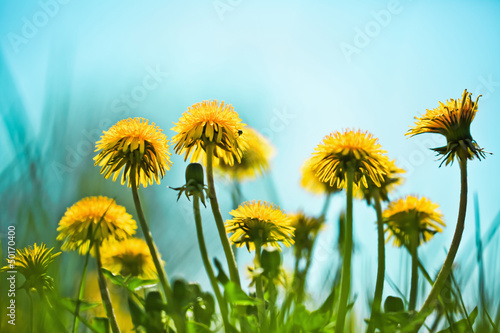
[[32, 312], [214, 204], [457, 237], [326, 204], [414, 269], [259, 289], [80, 293], [179, 322], [379, 285], [346, 264], [106, 300], [208, 266]]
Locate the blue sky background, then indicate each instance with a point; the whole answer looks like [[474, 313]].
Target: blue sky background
[[286, 68]]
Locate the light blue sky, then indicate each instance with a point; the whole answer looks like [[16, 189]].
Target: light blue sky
[[296, 70]]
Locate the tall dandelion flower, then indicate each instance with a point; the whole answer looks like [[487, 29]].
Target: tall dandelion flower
[[410, 214], [255, 159], [310, 181], [94, 219], [390, 180], [129, 257], [33, 263], [412, 221], [210, 122], [360, 149], [138, 148], [453, 120], [260, 222]]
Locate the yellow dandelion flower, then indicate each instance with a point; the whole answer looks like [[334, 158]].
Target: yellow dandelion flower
[[306, 230], [310, 180], [262, 222], [94, 219], [360, 149], [389, 182], [452, 120], [130, 256], [255, 159], [210, 122], [137, 147], [33, 263], [410, 214]]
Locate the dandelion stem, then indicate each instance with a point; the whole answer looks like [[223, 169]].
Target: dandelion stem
[[457, 237], [80, 293], [326, 204], [106, 300], [208, 266], [231, 262], [346, 264], [379, 285], [414, 269], [179, 323], [259, 290], [32, 312]]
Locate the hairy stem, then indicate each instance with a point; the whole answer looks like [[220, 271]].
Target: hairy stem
[[214, 204], [346, 264], [103, 288]]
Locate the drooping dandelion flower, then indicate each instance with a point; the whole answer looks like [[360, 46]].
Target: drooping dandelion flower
[[130, 256], [94, 219], [412, 214], [260, 222], [310, 181], [306, 230], [453, 120], [255, 159], [138, 148], [33, 263], [389, 182], [210, 122], [360, 149]]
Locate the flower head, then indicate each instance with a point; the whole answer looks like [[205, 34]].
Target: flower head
[[389, 182], [310, 181], [359, 149], [412, 214], [33, 263], [137, 147], [94, 219], [262, 222], [129, 257], [452, 120], [210, 122], [306, 230], [255, 159]]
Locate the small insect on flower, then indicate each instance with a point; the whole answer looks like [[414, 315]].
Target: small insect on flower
[[129, 257], [260, 222], [210, 122], [359, 149], [33, 263], [94, 220], [453, 120], [412, 214], [137, 147]]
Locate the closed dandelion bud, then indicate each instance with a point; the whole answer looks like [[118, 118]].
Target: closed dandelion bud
[[194, 172]]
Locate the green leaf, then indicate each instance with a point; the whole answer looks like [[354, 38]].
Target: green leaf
[[462, 326], [101, 324], [271, 262], [70, 304], [221, 276], [194, 327], [393, 304], [131, 283], [235, 295], [136, 313]]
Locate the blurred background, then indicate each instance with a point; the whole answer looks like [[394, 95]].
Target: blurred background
[[294, 70]]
